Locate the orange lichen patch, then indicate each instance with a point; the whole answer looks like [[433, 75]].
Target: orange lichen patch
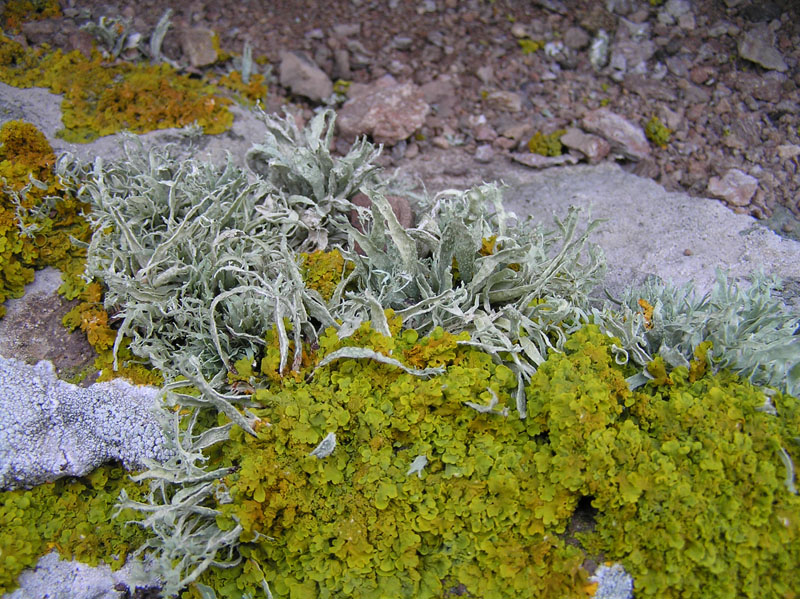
[[38, 219], [248, 93], [17, 12], [647, 312], [101, 97]]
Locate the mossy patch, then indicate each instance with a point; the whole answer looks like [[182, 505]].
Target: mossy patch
[[547, 144]]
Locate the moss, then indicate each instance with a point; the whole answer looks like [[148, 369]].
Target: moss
[[546, 145], [74, 516], [657, 132], [37, 220], [16, 12], [102, 97]]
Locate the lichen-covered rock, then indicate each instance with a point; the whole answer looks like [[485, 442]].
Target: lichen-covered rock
[[50, 428]]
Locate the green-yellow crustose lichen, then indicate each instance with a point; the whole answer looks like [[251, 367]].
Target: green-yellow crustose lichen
[[17, 12], [685, 476], [366, 522], [323, 271], [686, 473], [75, 516], [38, 218], [546, 145], [657, 132], [101, 97]]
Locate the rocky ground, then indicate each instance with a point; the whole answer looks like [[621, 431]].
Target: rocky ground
[[480, 78]]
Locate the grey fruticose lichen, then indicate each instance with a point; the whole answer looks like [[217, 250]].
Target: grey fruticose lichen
[[50, 428]]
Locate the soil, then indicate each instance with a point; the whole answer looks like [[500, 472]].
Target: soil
[[725, 112]]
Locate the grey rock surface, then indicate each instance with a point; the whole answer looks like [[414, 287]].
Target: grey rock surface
[[303, 77], [50, 428], [55, 578], [758, 46]]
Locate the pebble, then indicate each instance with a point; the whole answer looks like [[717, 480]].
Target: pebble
[[504, 100], [735, 187], [758, 46], [622, 134], [484, 153]]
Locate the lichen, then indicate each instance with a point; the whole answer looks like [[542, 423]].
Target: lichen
[[546, 145], [39, 218], [75, 516], [355, 523], [16, 12], [103, 97], [685, 475], [657, 132]]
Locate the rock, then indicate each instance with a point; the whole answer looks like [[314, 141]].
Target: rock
[[517, 131], [630, 56], [58, 578], [735, 187], [484, 153], [694, 94], [400, 206], [198, 46], [503, 100], [485, 73], [440, 142], [767, 87], [440, 93], [623, 135], [598, 51], [346, 29], [576, 38], [303, 77], [41, 31], [401, 42], [758, 46], [50, 428], [786, 151], [539, 161], [593, 147], [484, 133], [387, 112]]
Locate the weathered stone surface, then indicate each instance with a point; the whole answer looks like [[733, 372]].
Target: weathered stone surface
[[735, 187], [623, 135], [593, 147], [503, 100], [758, 46], [767, 86], [539, 161], [303, 77], [484, 153], [197, 44], [388, 113]]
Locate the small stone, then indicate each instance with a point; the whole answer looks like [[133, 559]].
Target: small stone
[[346, 29], [400, 206], [539, 161], [484, 153], [576, 38], [735, 187], [593, 147], [687, 252], [503, 100], [518, 30], [412, 150], [485, 73], [197, 44], [484, 133], [701, 74], [401, 42], [758, 46], [303, 77], [440, 142], [621, 133], [389, 113], [787, 151]]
